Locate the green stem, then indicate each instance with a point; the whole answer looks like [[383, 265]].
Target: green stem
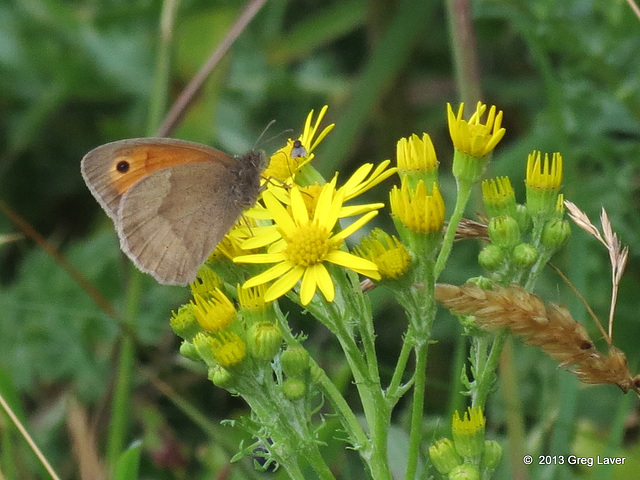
[[287, 425], [293, 470], [374, 405], [457, 401], [349, 420], [160, 88], [121, 407], [360, 303], [486, 371], [464, 50], [395, 390], [464, 193], [312, 455], [513, 407], [417, 409]]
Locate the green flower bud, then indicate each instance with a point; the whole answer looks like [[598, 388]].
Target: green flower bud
[[523, 218], [543, 182], [187, 350], [294, 388], [264, 340], [295, 361], [202, 343], [465, 472], [555, 233], [524, 255], [492, 456], [491, 257], [468, 433], [220, 377], [444, 456], [504, 231], [316, 373], [184, 323]]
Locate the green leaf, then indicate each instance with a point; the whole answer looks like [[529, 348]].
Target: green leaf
[[129, 462]]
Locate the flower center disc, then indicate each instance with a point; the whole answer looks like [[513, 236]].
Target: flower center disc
[[309, 246]]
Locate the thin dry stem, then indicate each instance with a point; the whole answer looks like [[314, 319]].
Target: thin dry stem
[[634, 7], [618, 255], [470, 229], [25, 434], [549, 327], [191, 90]]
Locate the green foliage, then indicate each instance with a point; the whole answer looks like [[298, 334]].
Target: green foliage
[[74, 75]]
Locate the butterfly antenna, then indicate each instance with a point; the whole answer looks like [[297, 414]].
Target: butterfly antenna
[[257, 142], [270, 139]]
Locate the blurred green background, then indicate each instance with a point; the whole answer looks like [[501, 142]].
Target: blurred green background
[[76, 74]]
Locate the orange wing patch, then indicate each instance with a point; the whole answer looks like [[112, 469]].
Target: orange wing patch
[[133, 163]]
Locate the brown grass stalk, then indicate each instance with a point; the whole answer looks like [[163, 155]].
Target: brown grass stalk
[[548, 326]]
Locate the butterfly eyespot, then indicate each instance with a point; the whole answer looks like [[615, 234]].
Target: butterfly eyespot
[[123, 166]]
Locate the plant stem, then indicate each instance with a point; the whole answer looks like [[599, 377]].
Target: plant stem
[[464, 193], [485, 370], [514, 415], [340, 405], [374, 405], [120, 408], [394, 390], [417, 409], [464, 50], [159, 90]]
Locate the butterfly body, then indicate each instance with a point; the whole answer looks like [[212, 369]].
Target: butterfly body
[[171, 201]]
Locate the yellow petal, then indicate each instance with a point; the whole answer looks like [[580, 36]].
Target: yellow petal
[[346, 259], [353, 210], [358, 177], [323, 205], [268, 275], [284, 284], [260, 258], [354, 226], [298, 207], [262, 236], [280, 214], [325, 283], [308, 287]]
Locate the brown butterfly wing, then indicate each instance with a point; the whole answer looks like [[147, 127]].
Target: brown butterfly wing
[[111, 169], [170, 221]]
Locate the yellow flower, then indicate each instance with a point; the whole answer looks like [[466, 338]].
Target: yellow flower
[[215, 314], [206, 281], [252, 298], [288, 160], [387, 252], [228, 349], [416, 154], [417, 210], [543, 182], [305, 245], [473, 137], [499, 197], [223, 348], [468, 433], [363, 179], [542, 175]]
